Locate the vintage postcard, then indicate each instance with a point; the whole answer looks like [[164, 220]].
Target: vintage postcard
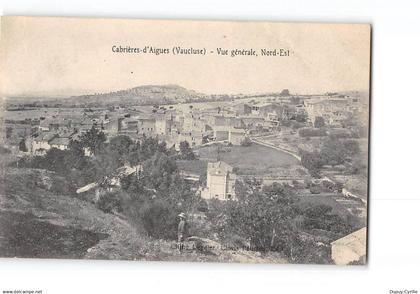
[[202, 141]]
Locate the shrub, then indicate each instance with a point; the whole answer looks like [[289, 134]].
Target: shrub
[[246, 142], [159, 219], [297, 125], [186, 151], [22, 146], [4, 150], [286, 123], [314, 189], [319, 122], [109, 202], [308, 132]]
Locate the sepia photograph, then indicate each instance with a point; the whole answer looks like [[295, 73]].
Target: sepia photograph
[[188, 141]]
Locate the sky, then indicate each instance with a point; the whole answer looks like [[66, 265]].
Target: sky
[[72, 56]]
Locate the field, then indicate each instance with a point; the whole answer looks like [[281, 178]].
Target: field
[[252, 159], [36, 113], [198, 167]]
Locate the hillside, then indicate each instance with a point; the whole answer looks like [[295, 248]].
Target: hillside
[[141, 95], [36, 221]]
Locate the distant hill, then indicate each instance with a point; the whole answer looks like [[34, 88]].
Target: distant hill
[[143, 95], [151, 94]]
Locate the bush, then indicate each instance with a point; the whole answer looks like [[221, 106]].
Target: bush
[[307, 132], [262, 217], [63, 186], [4, 150], [314, 189], [186, 151], [202, 206], [301, 117], [313, 162], [246, 142], [286, 123], [109, 202], [22, 146], [297, 125], [159, 219], [319, 122]]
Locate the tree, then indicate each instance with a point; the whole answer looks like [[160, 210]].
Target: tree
[[246, 142], [185, 151], [55, 160], [352, 147], [285, 92], [153, 199], [110, 202], [9, 132], [335, 151], [262, 216], [93, 139], [301, 117], [120, 144], [144, 150], [4, 150], [157, 218], [313, 162], [22, 145], [321, 217], [319, 122], [76, 155], [120, 147]]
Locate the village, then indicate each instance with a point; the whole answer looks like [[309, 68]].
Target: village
[[259, 137]]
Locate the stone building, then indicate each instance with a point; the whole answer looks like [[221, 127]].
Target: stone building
[[236, 136], [220, 182]]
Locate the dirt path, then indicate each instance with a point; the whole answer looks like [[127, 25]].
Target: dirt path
[[257, 141]]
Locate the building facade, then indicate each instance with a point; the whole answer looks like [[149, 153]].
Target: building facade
[[220, 182]]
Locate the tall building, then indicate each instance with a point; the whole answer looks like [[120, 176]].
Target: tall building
[[220, 182]]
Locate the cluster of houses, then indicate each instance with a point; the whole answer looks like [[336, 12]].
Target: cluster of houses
[[37, 136], [198, 124], [335, 109], [230, 122]]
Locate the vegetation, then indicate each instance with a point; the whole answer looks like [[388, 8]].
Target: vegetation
[[270, 218], [285, 92], [301, 117], [248, 160], [22, 146], [265, 218], [153, 199], [73, 164], [4, 150], [307, 132], [93, 140], [333, 152], [246, 142], [319, 122], [185, 151]]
